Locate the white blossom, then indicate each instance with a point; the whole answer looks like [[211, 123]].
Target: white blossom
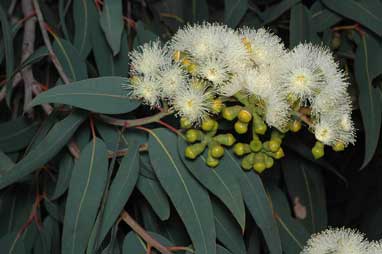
[[193, 104], [148, 59], [336, 241]]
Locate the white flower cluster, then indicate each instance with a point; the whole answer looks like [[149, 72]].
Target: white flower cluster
[[341, 241], [205, 61]]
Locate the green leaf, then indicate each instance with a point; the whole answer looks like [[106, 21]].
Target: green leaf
[[57, 137], [74, 66], [155, 195], [367, 67], [85, 192], [299, 26], [234, 11], [257, 203], [18, 203], [199, 10], [87, 94], [292, 232], [62, 12], [65, 169], [190, 200], [17, 134], [218, 180], [227, 231], [221, 250], [5, 163], [134, 244], [360, 11], [111, 21], [84, 14], [120, 189], [322, 18], [10, 244], [9, 53], [107, 64], [306, 187], [272, 13]]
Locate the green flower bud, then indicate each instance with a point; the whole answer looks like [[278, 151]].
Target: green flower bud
[[295, 126], [208, 124], [279, 154], [230, 113], [244, 116], [194, 150], [241, 127], [259, 167], [240, 149], [273, 145], [193, 135], [269, 161], [217, 151], [225, 139], [185, 123], [318, 150], [212, 162], [255, 145], [338, 147], [247, 162]]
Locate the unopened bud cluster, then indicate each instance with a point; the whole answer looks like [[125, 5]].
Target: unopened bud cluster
[[208, 72]]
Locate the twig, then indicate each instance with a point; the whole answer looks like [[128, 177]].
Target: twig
[[134, 122], [48, 44], [142, 233], [27, 50]]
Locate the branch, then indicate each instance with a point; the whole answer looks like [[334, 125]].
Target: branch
[[134, 122], [27, 50], [142, 233], [48, 44]]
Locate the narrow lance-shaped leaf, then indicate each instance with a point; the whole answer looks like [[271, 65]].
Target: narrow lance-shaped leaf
[[84, 14], [8, 47], [17, 134], [155, 195], [190, 200], [293, 233], [134, 244], [218, 180], [368, 66], [10, 244], [275, 11], [88, 94], [57, 137], [299, 26], [120, 189], [306, 189], [74, 66], [85, 192], [363, 12], [322, 17], [111, 22], [65, 169], [234, 11], [258, 204], [227, 230]]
